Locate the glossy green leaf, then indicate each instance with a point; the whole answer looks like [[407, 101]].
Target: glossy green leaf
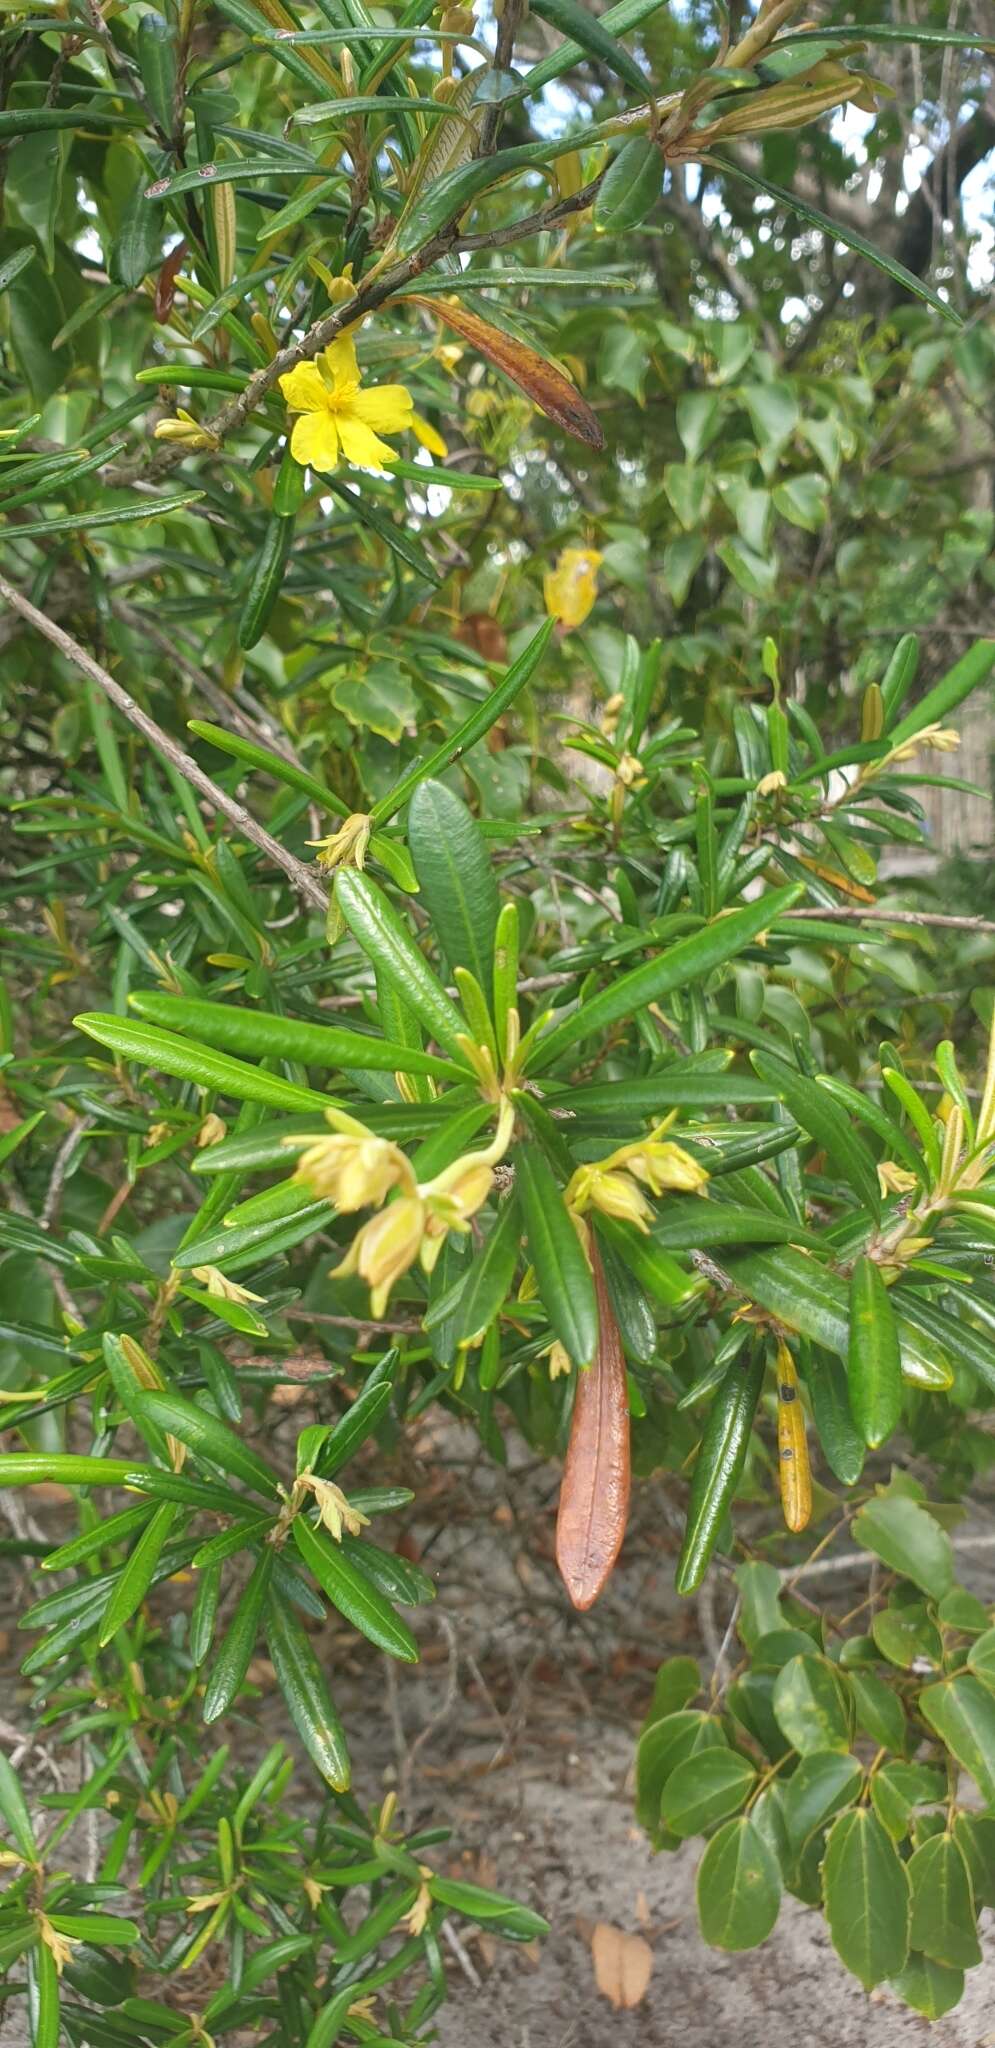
[[811, 1705], [908, 1540], [563, 1274], [230, 1667], [168, 1054], [255, 1034], [385, 939], [962, 1712], [690, 960], [351, 1592], [719, 1464], [929, 1987], [943, 1918], [841, 231], [209, 1439], [874, 1359], [826, 1122], [738, 1887], [824, 1782], [866, 1897], [705, 1789], [14, 1812], [139, 1571], [456, 878], [302, 1683]]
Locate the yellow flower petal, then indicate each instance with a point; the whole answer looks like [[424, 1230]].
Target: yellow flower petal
[[315, 441], [339, 361], [570, 588], [304, 390], [387, 407], [425, 433], [361, 445]]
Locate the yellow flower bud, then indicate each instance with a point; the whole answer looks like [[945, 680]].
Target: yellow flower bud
[[211, 1132], [183, 428], [769, 785], [613, 1193], [629, 771], [559, 1360], [218, 1283]]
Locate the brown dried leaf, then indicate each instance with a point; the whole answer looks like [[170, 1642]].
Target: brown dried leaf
[[623, 1964], [594, 1492], [541, 381]]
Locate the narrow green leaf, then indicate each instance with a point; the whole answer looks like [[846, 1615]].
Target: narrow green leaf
[[719, 1464], [373, 920], [302, 1683], [455, 877], [169, 1054], [235, 1655], [839, 231], [593, 38], [138, 1573], [826, 1122], [967, 674], [563, 1275], [256, 1034], [210, 1439], [874, 1362], [15, 1813], [351, 1592], [473, 729], [690, 961]]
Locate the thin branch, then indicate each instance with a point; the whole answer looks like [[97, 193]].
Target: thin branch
[[913, 917], [301, 878]]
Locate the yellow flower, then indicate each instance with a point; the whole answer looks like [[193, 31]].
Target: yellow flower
[[769, 785], [211, 1132], [335, 1508], [228, 1290], [346, 847], [383, 1250], [60, 1946], [661, 1166], [336, 413], [895, 1180], [571, 587], [354, 1169], [559, 1359], [614, 1194], [425, 434]]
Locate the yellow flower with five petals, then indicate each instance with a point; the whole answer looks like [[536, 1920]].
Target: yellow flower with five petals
[[335, 413]]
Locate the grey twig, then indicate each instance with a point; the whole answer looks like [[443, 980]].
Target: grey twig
[[301, 878]]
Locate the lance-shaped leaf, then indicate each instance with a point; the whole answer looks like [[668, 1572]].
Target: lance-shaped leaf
[[168, 1054], [302, 1683], [691, 960], [565, 1280], [594, 1490], [548, 387], [456, 878], [353, 1594], [388, 943], [209, 1438], [257, 1034], [826, 1122]]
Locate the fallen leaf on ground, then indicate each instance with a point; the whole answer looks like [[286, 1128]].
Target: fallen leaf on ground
[[623, 1965]]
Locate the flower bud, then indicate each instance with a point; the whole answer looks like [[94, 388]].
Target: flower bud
[[218, 1283], [346, 847]]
